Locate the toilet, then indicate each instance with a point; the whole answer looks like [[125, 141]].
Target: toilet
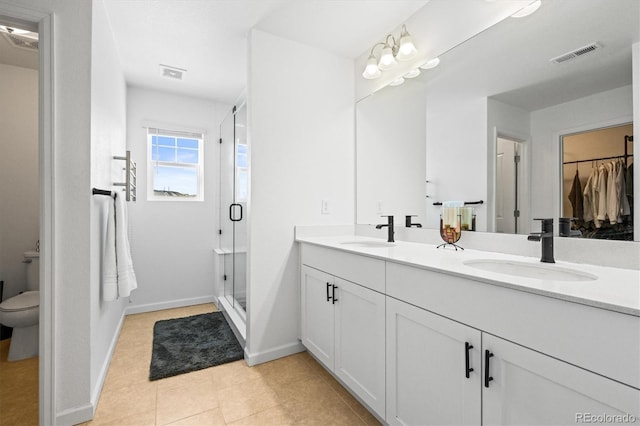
[[22, 312]]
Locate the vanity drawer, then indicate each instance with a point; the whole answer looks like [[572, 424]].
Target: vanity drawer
[[365, 271]]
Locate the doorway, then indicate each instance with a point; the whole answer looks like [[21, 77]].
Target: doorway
[[508, 185], [597, 182], [41, 22], [20, 212]]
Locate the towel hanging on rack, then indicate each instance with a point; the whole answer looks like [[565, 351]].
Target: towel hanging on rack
[[118, 276]]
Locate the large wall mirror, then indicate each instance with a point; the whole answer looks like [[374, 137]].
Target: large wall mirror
[[452, 133]]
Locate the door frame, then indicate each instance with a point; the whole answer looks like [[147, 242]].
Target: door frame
[[524, 171], [44, 21]]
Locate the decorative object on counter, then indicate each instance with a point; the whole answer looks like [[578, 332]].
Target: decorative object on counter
[[389, 224], [182, 345], [546, 237], [408, 223], [451, 224]]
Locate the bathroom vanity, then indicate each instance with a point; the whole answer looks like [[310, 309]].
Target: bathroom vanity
[[434, 336]]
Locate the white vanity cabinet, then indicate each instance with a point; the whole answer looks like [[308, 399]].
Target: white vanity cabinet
[[530, 388], [433, 368], [437, 346], [343, 323]]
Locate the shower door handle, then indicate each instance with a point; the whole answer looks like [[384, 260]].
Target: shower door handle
[[232, 218]]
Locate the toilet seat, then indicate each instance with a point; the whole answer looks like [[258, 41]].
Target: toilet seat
[[22, 302]]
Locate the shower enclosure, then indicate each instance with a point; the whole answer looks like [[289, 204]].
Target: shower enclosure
[[234, 168]]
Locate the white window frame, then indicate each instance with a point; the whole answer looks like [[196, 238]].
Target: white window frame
[[199, 167]]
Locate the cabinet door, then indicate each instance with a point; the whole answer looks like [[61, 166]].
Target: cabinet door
[[317, 320], [360, 342], [427, 380], [528, 387]]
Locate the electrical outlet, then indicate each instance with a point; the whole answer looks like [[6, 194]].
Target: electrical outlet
[[325, 207], [379, 208]]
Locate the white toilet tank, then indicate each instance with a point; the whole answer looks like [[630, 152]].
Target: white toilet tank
[[32, 259]]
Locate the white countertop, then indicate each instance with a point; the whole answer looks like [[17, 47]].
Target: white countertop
[[614, 289]]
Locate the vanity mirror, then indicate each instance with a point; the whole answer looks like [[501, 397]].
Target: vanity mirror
[[435, 138]]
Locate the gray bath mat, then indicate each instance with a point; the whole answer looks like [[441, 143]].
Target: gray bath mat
[[187, 344]]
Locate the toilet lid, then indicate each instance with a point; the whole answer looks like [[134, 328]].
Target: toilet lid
[[21, 302]]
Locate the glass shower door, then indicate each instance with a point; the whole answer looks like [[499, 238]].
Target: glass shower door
[[233, 206]]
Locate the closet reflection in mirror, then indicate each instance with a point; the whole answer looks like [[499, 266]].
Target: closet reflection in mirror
[[598, 182], [503, 83]]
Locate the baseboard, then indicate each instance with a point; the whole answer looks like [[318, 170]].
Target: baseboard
[[97, 390], [271, 354], [74, 416], [180, 303]]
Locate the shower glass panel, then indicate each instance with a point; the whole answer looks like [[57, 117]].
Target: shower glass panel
[[234, 169]]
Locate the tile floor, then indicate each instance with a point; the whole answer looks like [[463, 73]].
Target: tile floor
[[18, 389], [294, 390]]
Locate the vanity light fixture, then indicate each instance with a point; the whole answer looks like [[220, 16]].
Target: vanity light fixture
[[431, 63], [392, 51], [527, 10], [413, 73]]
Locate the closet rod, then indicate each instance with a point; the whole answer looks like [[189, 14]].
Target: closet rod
[[595, 159]]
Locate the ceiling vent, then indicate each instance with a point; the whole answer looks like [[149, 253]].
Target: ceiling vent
[[172, 72], [576, 53]]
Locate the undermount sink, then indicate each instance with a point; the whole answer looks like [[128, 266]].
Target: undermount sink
[[369, 243], [540, 271]]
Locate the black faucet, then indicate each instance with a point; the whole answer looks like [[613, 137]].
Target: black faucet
[[409, 224], [390, 225], [546, 236]]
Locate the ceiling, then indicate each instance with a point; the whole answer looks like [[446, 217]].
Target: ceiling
[[517, 70], [209, 38]]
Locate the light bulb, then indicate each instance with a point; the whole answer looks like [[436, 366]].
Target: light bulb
[[407, 49], [413, 73], [371, 71], [387, 60], [431, 63], [397, 82]]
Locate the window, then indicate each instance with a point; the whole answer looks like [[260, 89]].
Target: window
[[175, 167], [242, 173]]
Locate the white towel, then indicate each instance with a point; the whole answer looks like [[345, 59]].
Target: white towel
[[118, 276], [450, 212]]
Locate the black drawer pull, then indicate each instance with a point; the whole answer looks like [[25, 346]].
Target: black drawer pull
[[333, 295], [467, 370], [328, 286], [487, 376]]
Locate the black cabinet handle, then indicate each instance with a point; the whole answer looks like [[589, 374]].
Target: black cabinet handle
[[333, 295], [328, 286], [467, 370], [487, 376]]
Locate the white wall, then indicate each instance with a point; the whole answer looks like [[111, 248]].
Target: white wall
[[108, 138], [19, 208], [456, 153], [172, 241], [301, 123], [547, 125], [391, 144]]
